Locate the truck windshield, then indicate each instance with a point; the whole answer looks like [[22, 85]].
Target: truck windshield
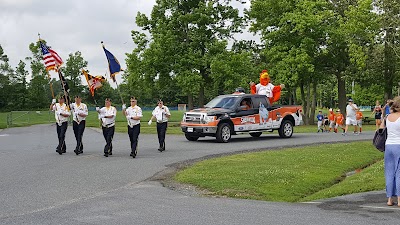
[[222, 102]]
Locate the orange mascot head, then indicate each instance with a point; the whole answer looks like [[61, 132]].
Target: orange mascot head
[[264, 78]]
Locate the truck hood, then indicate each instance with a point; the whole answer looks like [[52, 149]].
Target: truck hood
[[211, 111]]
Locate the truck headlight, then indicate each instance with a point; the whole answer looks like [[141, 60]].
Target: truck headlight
[[207, 119]]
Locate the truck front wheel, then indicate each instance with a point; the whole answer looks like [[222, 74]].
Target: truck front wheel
[[286, 129], [224, 133], [191, 137]]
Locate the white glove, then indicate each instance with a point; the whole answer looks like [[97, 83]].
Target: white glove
[[58, 113], [102, 116], [128, 117], [149, 123], [53, 101], [123, 107], [97, 108]]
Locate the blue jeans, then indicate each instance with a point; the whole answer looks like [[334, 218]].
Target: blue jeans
[[392, 170]]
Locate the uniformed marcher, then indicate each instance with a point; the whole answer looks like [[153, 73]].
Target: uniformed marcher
[[79, 112], [62, 113], [133, 115], [107, 116], [161, 114]]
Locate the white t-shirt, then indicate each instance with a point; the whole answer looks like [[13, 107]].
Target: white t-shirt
[[350, 111], [110, 111], [133, 112], [160, 114], [265, 90], [61, 109], [79, 109]]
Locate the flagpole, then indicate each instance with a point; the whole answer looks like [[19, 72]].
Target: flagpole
[[51, 84], [63, 87]]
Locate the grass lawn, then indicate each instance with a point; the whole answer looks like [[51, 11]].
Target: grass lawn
[[292, 175], [43, 117]]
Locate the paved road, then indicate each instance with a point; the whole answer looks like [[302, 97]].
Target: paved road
[[38, 186]]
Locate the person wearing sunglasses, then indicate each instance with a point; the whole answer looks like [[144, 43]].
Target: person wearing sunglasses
[[161, 114], [133, 115]]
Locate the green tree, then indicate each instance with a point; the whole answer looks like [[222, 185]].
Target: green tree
[[186, 36], [38, 89], [389, 39], [307, 40], [72, 72], [19, 84], [6, 73]]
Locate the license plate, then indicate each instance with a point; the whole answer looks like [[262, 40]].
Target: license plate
[[190, 129]]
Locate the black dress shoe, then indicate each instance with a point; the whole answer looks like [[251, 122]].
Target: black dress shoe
[[133, 154], [110, 153], [106, 154], [80, 152]]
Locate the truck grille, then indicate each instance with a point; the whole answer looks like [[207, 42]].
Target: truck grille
[[192, 118]]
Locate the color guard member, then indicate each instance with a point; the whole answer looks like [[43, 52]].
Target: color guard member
[[79, 112], [161, 114], [133, 115], [62, 113], [107, 116]]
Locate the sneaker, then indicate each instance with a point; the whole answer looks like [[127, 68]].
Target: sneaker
[[356, 134], [344, 134]]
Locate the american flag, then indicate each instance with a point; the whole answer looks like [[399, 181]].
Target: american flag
[[51, 59]]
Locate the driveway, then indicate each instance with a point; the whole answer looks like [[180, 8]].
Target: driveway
[[38, 186]]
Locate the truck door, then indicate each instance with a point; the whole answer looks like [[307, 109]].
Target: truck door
[[264, 115]]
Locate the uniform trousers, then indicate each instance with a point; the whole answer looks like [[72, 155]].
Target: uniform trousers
[[161, 130], [133, 133], [78, 131], [61, 136], [392, 170], [108, 133]]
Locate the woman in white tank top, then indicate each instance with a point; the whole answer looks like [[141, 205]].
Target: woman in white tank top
[[392, 153]]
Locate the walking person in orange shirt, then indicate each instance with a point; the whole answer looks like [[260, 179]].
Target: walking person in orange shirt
[[331, 119], [359, 117], [339, 121]]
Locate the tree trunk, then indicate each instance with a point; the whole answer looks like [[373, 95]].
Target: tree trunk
[[294, 96], [305, 105], [341, 93], [389, 65], [314, 103], [190, 101], [310, 121], [201, 96]]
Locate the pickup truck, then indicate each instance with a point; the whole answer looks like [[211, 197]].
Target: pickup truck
[[227, 115]]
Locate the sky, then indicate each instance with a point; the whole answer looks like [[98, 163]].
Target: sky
[[72, 25]]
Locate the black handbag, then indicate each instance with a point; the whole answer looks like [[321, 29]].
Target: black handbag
[[380, 137]]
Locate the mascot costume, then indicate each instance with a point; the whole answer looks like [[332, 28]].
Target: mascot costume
[[272, 92]]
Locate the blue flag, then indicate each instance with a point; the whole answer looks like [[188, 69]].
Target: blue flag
[[113, 64]]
